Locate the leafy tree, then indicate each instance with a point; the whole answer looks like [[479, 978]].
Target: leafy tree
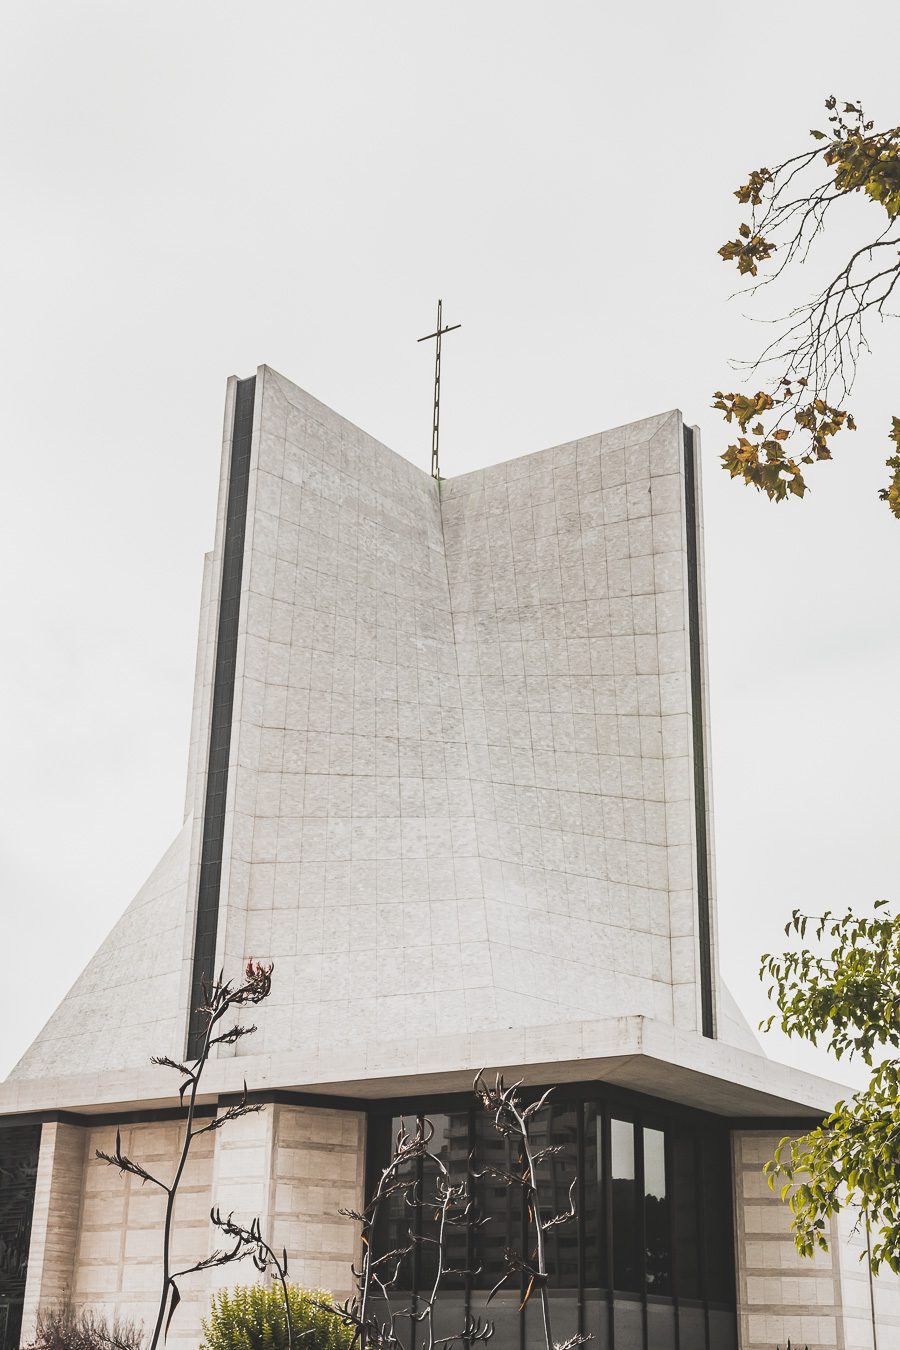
[[254, 1318], [846, 996], [811, 363]]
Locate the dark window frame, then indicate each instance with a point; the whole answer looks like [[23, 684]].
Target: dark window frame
[[221, 710], [644, 1112], [20, 1147]]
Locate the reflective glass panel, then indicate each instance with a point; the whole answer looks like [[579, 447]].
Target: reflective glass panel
[[686, 1214], [556, 1175], [19, 1151], [499, 1204], [718, 1238], [657, 1240], [653, 1220], [593, 1218], [396, 1221], [450, 1145], [626, 1265]]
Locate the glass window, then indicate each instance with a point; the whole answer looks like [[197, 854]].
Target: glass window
[[395, 1218], [19, 1151], [499, 1205], [686, 1215], [450, 1144], [557, 1127], [657, 1239], [593, 1219], [653, 1220], [718, 1240], [626, 1266]]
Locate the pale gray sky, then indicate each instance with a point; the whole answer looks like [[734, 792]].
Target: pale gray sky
[[191, 190]]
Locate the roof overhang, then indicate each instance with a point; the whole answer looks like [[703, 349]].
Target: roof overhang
[[634, 1053]]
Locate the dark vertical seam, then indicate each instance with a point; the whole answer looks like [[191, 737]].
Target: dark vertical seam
[[208, 893], [707, 1024], [700, 1193], [470, 1195], [579, 1210], [416, 1263], [606, 1163], [20, 1161], [640, 1187], [671, 1202]]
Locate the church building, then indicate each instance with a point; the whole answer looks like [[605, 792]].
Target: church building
[[449, 771]]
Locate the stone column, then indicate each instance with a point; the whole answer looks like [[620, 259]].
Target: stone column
[[54, 1225], [781, 1294], [318, 1169], [294, 1167], [829, 1300], [242, 1186]]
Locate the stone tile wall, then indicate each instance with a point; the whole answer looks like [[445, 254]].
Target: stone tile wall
[[117, 1255], [318, 1169], [126, 1004], [98, 1235], [461, 788], [568, 593], [823, 1302], [460, 791]]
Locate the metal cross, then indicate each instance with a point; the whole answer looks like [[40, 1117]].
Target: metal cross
[[435, 427]]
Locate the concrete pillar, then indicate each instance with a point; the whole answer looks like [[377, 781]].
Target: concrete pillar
[[97, 1235], [119, 1252], [55, 1221], [781, 1294], [295, 1167], [318, 1169]]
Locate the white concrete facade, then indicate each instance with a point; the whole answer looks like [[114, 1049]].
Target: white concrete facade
[[462, 820], [461, 784]]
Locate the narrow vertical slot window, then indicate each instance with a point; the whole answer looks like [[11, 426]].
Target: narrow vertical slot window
[[657, 1240], [626, 1263]]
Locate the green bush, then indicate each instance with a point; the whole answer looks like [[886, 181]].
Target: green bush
[[253, 1319]]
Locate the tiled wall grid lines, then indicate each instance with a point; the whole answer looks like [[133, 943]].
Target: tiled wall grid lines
[[294, 1167], [460, 793], [126, 1005], [55, 1220], [462, 781]]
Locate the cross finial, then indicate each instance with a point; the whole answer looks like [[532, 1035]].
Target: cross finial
[[436, 422]]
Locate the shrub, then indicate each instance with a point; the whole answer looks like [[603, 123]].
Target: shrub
[[253, 1319], [64, 1327]]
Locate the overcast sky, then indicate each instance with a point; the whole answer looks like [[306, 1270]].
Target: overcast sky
[[193, 189]]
